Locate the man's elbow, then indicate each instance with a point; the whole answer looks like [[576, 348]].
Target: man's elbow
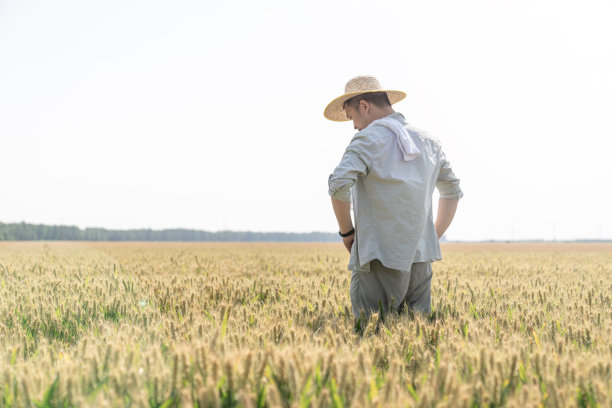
[[339, 189], [457, 195], [340, 195]]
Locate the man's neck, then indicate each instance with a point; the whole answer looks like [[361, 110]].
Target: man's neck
[[381, 113]]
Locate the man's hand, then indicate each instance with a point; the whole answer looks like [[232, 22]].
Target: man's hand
[[348, 242]]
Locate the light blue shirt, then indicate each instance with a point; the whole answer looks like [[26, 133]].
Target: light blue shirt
[[392, 198]]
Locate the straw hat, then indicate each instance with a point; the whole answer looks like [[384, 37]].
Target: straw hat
[[357, 86]]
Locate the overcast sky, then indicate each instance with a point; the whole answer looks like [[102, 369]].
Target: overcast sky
[[209, 114]]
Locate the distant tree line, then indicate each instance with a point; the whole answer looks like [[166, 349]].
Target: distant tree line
[[32, 232]]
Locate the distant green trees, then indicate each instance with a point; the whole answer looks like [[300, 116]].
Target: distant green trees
[[32, 232]]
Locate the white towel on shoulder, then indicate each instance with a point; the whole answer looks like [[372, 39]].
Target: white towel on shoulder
[[405, 142]]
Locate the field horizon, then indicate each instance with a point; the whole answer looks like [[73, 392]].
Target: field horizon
[[22, 231]]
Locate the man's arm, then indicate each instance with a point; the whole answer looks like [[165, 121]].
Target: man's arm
[[446, 211], [342, 209], [450, 193]]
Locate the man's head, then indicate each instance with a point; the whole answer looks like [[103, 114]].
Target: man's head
[[363, 98], [365, 108]]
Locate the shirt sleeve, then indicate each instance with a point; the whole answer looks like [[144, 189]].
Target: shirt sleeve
[[447, 183], [355, 162]]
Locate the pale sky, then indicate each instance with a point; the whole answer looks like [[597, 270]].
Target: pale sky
[[209, 115]]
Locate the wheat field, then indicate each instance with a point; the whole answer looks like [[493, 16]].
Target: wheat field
[[270, 325]]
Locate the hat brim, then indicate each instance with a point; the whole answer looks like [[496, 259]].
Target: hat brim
[[334, 111]]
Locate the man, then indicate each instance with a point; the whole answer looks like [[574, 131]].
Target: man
[[391, 168]]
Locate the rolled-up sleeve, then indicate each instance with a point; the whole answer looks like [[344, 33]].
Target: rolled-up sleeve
[[354, 163], [447, 183]]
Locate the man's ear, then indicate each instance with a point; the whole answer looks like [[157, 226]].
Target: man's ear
[[364, 105]]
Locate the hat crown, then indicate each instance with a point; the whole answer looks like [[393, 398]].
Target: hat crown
[[362, 83]]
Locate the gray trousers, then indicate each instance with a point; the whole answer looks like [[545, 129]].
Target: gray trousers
[[403, 289]]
